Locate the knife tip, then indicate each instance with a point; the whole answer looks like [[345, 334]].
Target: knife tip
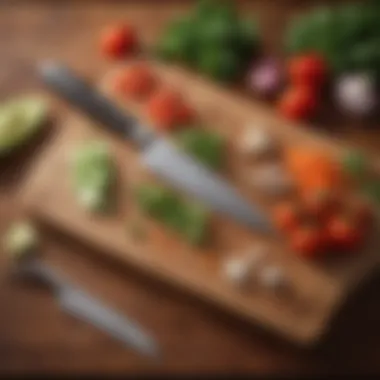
[[49, 68]]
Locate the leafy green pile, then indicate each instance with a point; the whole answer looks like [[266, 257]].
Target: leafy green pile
[[348, 36], [206, 146], [185, 217], [93, 173], [20, 119], [212, 39]]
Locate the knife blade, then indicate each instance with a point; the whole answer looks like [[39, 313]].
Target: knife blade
[[160, 155], [83, 306]]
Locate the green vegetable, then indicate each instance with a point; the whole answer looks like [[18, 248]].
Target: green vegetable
[[347, 36], [20, 119], [178, 41], [186, 218], [93, 175], [20, 239], [212, 38], [355, 164], [206, 146]]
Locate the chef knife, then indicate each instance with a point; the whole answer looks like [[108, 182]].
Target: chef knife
[[85, 307], [161, 156]]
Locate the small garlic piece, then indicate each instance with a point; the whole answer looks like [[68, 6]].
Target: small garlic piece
[[256, 142], [272, 179], [272, 277], [236, 270]]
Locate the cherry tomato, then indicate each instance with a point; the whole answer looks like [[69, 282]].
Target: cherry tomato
[[307, 70], [286, 216], [320, 203], [342, 233], [137, 81], [307, 241], [298, 103], [167, 110], [118, 41]]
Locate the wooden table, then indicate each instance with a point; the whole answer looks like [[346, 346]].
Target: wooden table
[[36, 336]]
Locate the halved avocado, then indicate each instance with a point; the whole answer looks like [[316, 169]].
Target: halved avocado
[[20, 119]]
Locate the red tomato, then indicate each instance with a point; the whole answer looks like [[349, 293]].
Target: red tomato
[[320, 203], [342, 233], [307, 70], [286, 216], [118, 41], [298, 103], [136, 81], [167, 110], [307, 241]]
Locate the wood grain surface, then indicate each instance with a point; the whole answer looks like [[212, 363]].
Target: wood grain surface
[[35, 336]]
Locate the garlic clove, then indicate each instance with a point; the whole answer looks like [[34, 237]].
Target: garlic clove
[[236, 271], [272, 277], [256, 142]]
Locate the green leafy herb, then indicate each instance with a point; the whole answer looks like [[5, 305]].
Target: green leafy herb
[[93, 174], [206, 146], [347, 36], [212, 38], [186, 218]]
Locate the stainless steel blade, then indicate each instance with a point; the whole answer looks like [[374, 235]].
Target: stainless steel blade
[[162, 157], [185, 174], [85, 307]]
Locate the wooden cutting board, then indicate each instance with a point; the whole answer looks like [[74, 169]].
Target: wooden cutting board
[[317, 289]]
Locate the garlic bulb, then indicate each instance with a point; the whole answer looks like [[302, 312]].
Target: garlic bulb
[[256, 143], [356, 94]]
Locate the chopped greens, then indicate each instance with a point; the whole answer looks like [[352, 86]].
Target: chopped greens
[[186, 218], [93, 174], [348, 36], [205, 146], [20, 119], [355, 164]]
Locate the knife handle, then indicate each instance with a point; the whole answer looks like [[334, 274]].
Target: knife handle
[[81, 94]]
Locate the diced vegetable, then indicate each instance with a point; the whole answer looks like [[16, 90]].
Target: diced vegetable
[[272, 277], [344, 233], [307, 70], [168, 110], [298, 103], [20, 119], [356, 94], [312, 169], [287, 216], [236, 271], [206, 146], [20, 239], [308, 241], [186, 218], [93, 174], [266, 77], [118, 41], [136, 81]]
